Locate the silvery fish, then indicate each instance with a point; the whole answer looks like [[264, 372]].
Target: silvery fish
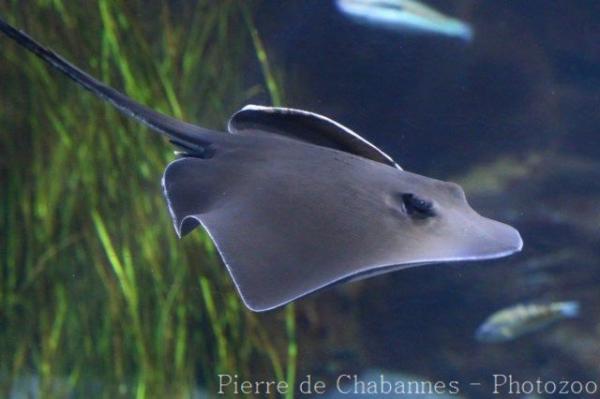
[[510, 323], [405, 15]]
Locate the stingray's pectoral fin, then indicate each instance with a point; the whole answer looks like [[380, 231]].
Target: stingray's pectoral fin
[[305, 126], [188, 186]]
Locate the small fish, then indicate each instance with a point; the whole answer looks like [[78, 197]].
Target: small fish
[[405, 15], [510, 323]]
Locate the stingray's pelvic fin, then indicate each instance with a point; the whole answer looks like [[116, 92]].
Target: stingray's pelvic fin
[[305, 126], [189, 188], [182, 132]]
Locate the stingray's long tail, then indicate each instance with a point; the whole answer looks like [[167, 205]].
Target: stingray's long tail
[[181, 133]]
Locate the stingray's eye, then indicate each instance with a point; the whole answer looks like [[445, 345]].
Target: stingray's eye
[[418, 207]]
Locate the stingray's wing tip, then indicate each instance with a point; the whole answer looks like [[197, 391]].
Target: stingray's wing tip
[[252, 302], [253, 308], [260, 308]]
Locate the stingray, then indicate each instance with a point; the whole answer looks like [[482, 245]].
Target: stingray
[[295, 202]]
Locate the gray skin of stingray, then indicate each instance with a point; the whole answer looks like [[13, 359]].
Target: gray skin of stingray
[[296, 202]]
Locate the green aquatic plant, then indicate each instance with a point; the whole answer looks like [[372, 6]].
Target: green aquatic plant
[[97, 295]]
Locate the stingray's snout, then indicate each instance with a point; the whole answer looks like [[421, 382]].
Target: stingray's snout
[[516, 238], [500, 239], [512, 239]]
